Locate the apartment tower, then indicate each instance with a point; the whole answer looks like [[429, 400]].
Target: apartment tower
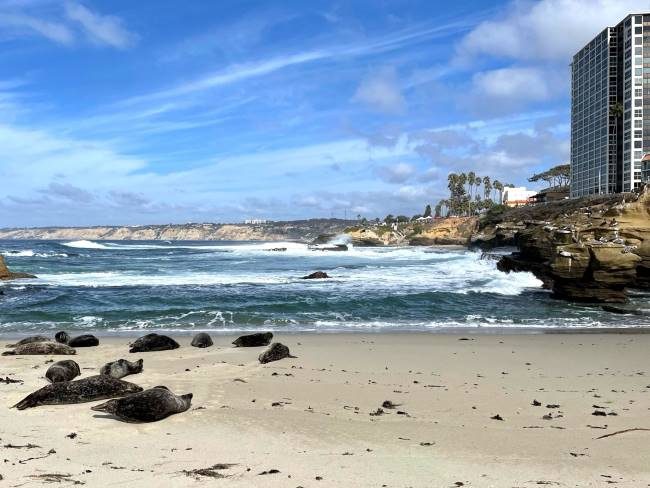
[[610, 109]]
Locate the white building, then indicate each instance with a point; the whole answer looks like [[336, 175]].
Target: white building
[[514, 197], [255, 221]]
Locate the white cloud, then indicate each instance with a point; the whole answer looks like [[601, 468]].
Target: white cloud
[[381, 92], [102, 29], [397, 173], [530, 84], [15, 24]]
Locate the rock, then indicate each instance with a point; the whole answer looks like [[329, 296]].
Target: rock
[[620, 310], [6, 275], [318, 275], [86, 340], [254, 340], [276, 352], [154, 342]]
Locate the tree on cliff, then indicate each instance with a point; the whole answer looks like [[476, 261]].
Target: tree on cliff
[[559, 175], [427, 211]]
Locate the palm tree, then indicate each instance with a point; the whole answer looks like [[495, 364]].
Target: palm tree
[[498, 186], [487, 188], [462, 179], [471, 178]]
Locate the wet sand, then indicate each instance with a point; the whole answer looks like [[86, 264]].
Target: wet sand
[[314, 418]]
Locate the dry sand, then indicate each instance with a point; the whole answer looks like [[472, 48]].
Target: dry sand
[[321, 433]]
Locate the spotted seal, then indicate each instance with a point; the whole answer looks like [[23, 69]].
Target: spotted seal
[[254, 340], [84, 390], [43, 348], [276, 352], [65, 370], [62, 337], [202, 340], [29, 340], [121, 368], [147, 406], [154, 342], [85, 340]]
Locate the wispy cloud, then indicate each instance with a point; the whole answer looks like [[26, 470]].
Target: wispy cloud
[[102, 29]]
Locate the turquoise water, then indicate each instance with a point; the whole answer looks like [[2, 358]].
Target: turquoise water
[[127, 285]]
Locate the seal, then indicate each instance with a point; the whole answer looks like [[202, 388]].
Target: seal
[[43, 348], [154, 342], [84, 390], [62, 337], [254, 340], [65, 370], [202, 340], [147, 406], [121, 368], [276, 352], [85, 340], [29, 340]]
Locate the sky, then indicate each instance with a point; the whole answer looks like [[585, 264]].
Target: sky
[[152, 112]]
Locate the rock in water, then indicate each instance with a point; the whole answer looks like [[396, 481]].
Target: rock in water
[[147, 406], [89, 389], [65, 370], [154, 342], [121, 368], [6, 275], [202, 340], [318, 275], [86, 340], [29, 340], [254, 340], [42, 348], [62, 337], [276, 352]]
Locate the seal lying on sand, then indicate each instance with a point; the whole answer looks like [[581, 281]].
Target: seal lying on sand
[[62, 337], [88, 389], [202, 340], [86, 340], [44, 348], [147, 406], [65, 370], [121, 368], [29, 340], [276, 352], [154, 342], [254, 340]]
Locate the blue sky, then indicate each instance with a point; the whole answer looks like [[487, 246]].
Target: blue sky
[[122, 112]]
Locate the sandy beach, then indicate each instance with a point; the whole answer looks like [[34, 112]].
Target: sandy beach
[[313, 418]]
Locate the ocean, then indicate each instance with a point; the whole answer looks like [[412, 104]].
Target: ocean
[[126, 286]]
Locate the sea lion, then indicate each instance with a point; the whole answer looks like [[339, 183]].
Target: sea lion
[[254, 340], [85, 340], [65, 370], [29, 340], [88, 389], [121, 368], [43, 348], [147, 406], [62, 337], [276, 352], [202, 340], [154, 342]]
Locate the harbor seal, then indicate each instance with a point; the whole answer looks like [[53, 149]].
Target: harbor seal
[[88, 389], [65, 370], [202, 340], [276, 352], [121, 368], [29, 340], [254, 340], [154, 342], [147, 406], [42, 348], [62, 337], [85, 340]]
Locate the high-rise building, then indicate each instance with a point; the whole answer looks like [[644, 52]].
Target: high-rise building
[[610, 109]]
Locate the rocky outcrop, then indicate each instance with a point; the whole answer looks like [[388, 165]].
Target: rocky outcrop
[[592, 254], [6, 275], [375, 236], [454, 231]]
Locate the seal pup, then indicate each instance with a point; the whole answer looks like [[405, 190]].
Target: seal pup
[[62, 337], [29, 340], [202, 340], [121, 368], [65, 370], [43, 348], [147, 406], [84, 390], [85, 340], [276, 352], [254, 340], [154, 342]]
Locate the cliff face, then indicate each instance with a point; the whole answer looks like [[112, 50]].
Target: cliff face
[[591, 253]]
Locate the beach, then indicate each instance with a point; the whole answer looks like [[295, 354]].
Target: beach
[[314, 419]]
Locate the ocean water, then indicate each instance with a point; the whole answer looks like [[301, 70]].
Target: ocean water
[[226, 286]]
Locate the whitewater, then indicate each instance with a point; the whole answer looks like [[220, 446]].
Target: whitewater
[[232, 286]]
